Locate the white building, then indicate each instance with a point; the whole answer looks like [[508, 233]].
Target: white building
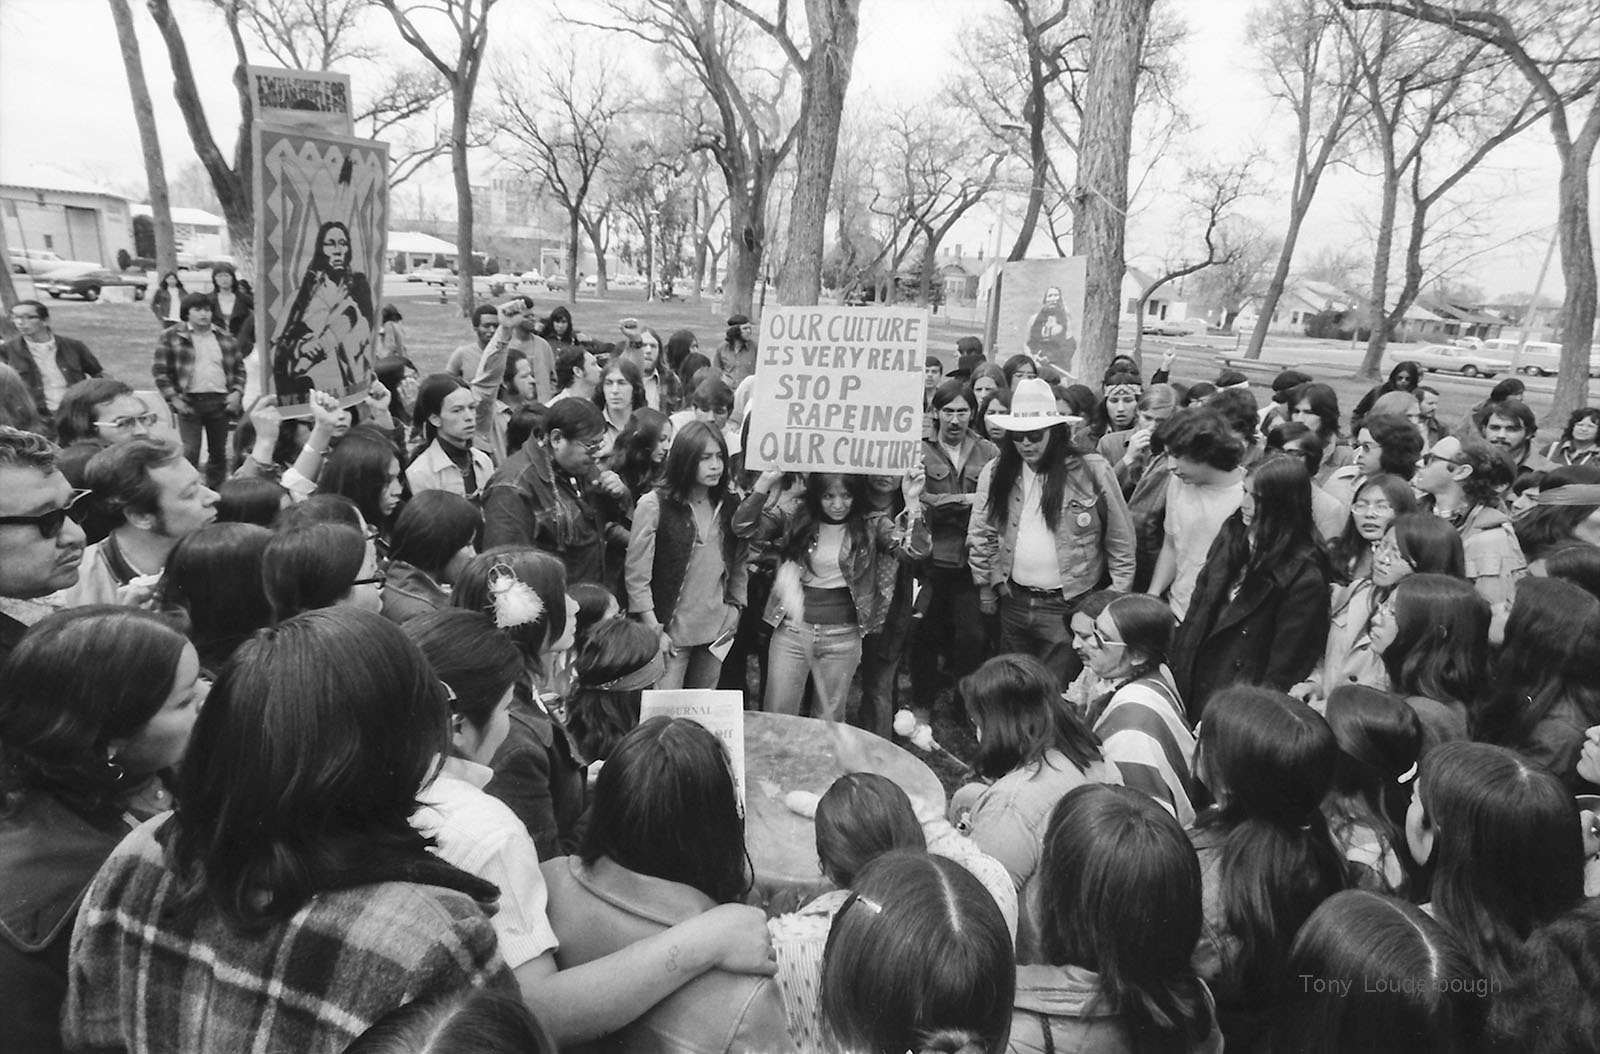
[[197, 234], [46, 208]]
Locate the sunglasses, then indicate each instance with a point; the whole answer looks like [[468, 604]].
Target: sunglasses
[[1035, 436], [49, 523]]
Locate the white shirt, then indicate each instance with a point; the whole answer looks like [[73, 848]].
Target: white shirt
[[54, 381], [1035, 563], [483, 837], [825, 570], [1194, 516], [207, 375]]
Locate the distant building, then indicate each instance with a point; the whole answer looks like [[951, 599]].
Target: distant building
[[1163, 307], [45, 208], [1302, 300], [197, 234]]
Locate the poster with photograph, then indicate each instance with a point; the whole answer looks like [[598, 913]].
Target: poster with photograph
[[322, 221], [838, 389], [302, 99], [1041, 310]]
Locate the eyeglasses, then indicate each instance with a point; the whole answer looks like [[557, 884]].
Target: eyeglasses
[[124, 423], [592, 445], [49, 523], [1382, 613], [1103, 641], [1035, 436], [1433, 459], [947, 412], [16, 317], [1372, 506]]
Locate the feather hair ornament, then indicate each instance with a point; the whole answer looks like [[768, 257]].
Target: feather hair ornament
[[515, 602]]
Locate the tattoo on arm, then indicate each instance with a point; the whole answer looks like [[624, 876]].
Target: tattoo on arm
[[672, 959]]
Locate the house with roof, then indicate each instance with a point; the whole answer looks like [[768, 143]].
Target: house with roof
[[196, 233], [409, 250], [50, 209], [1165, 306], [1303, 299], [1456, 321]]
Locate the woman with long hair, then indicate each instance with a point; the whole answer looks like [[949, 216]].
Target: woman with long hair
[[918, 959], [1048, 524], [255, 871], [824, 596], [253, 500], [365, 468], [686, 569], [97, 708], [433, 537], [1380, 741], [1565, 507], [1375, 504], [1259, 612], [998, 403], [1404, 379], [1117, 409], [986, 379], [618, 662], [1579, 443], [1020, 366], [559, 330], [1120, 920], [619, 394], [1382, 977], [640, 454], [537, 771], [665, 842], [1433, 633], [1266, 856], [213, 575], [233, 301], [1544, 690], [167, 298], [320, 565], [1501, 844], [1033, 748], [1128, 449], [1140, 720]]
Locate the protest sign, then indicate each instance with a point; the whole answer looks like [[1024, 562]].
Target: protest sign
[[315, 99], [838, 389], [720, 713], [322, 219], [1041, 310]]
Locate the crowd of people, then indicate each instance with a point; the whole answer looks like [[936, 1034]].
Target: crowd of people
[[330, 739]]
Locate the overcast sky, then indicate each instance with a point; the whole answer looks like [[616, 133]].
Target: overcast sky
[[63, 99]]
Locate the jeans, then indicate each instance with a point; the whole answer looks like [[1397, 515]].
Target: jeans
[[953, 628], [753, 638], [208, 413], [830, 653], [1036, 623], [881, 653], [691, 667]]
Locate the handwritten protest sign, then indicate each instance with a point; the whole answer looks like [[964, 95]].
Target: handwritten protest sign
[[838, 389], [720, 713]]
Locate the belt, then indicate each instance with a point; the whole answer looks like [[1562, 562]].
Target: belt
[[1033, 591]]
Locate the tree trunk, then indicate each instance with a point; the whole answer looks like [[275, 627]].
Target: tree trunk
[[149, 141], [698, 268], [1578, 270], [572, 255], [461, 109], [1382, 252], [599, 248], [1118, 32], [747, 224], [1280, 278], [833, 26]]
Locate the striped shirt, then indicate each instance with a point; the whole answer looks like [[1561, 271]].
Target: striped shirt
[[1145, 734]]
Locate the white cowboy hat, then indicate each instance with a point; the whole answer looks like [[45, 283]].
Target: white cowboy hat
[[1033, 405]]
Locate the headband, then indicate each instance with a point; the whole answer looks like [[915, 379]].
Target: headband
[[1124, 389], [1571, 494], [644, 677]]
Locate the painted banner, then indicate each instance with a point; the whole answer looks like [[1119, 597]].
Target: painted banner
[[322, 220], [302, 99], [719, 712], [838, 389], [1041, 310]]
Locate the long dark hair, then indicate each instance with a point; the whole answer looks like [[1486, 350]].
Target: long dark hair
[[1552, 638], [918, 958], [292, 725], [478, 664], [599, 715], [1061, 456], [1016, 704], [1441, 644], [431, 394], [543, 573], [1121, 897], [1282, 527], [683, 463], [1390, 980], [1269, 761], [432, 528], [1324, 403], [465, 1021], [665, 806], [1543, 527], [311, 566], [358, 468], [630, 373], [214, 576], [633, 457], [1380, 740], [861, 816], [1348, 549], [1507, 855], [78, 679], [805, 521]]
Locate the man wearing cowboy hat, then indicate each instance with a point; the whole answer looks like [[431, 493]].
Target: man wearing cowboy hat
[[1049, 524]]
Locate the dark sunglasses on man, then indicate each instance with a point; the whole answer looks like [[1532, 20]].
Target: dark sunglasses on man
[[49, 523]]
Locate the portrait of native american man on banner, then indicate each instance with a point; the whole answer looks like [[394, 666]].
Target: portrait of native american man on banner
[[321, 227]]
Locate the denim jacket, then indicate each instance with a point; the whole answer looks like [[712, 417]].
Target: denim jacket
[[1094, 535], [902, 536], [947, 495]]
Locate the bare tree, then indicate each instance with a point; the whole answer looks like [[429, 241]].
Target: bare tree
[[1555, 45], [1310, 70], [1214, 193], [1110, 92], [407, 95], [231, 183], [149, 141], [305, 34], [1241, 275], [563, 127], [469, 20]]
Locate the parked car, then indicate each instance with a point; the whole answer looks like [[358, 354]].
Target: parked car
[[1164, 327], [1447, 358], [1539, 358], [40, 262], [432, 275], [87, 281]]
